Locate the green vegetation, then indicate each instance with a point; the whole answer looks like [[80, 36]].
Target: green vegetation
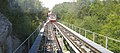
[[25, 15], [98, 16]]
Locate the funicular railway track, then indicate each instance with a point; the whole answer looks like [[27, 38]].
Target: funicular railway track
[[51, 44], [70, 37], [81, 45]]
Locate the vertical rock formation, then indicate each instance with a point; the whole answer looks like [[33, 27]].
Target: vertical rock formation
[[8, 42]]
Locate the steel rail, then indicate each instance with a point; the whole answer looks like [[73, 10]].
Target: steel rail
[[69, 42], [56, 40], [89, 42]]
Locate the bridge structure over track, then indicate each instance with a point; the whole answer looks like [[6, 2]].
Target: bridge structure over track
[[52, 37]]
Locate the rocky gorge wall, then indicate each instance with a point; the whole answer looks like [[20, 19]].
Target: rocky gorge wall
[[8, 41]]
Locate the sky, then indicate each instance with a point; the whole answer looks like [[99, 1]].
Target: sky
[[51, 3]]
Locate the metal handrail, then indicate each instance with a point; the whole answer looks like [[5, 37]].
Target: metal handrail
[[34, 48], [94, 33], [97, 47], [25, 40]]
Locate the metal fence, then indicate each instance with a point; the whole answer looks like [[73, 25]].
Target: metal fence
[[25, 46], [107, 42]]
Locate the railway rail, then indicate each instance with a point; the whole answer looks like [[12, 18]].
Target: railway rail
[[80, 43], [51, 42]]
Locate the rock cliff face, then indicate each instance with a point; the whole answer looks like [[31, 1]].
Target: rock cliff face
[[8, 42]]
